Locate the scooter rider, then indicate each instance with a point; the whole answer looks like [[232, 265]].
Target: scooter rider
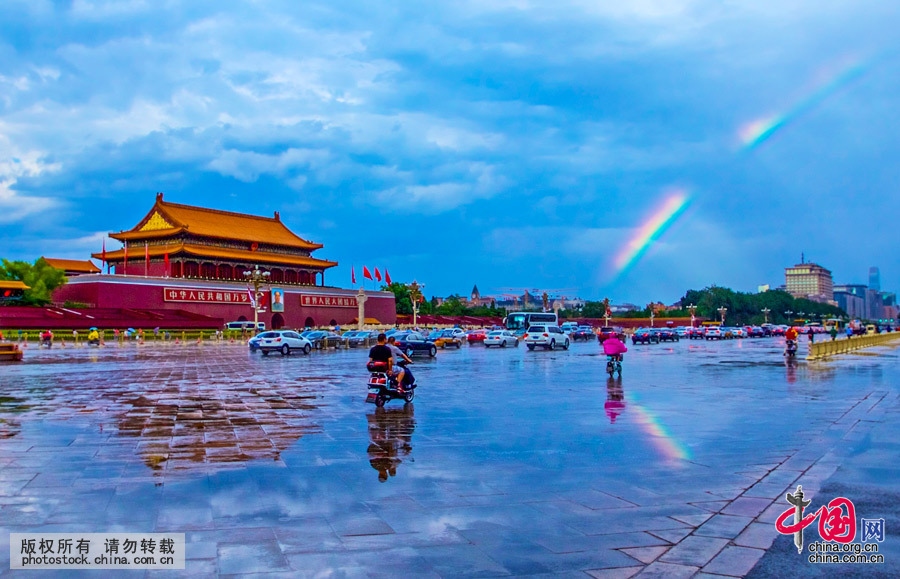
[[614, 347], [398, 355], [790, 339], [381, 353]]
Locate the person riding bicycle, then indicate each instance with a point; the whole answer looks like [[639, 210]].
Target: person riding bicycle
[[614, 348]]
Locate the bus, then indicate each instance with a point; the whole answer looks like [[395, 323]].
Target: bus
[[245, 326], [518, 322]]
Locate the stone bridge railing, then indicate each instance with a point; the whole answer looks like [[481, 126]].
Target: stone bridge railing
[[822, 350]]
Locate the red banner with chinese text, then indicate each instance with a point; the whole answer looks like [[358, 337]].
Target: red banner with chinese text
[[203, 296], [313, 300]]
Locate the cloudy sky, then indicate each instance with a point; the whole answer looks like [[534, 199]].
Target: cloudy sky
[[500, 142]]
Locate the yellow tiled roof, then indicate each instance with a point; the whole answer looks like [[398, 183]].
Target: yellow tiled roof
[[84, 266], [12, 285], [213, 223]]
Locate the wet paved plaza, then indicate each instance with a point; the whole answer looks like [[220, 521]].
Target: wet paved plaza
[[508, 463]]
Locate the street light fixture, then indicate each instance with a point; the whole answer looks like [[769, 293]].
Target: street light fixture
[[415, 296], [256, 277], [693, 309], [765, 312], [722, 311]]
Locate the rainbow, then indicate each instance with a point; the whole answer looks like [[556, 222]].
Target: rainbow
[[667, 445], [758, 131], [673, 206]]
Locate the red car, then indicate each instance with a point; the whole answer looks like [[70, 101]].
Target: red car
[[608, 332], [476, 336]]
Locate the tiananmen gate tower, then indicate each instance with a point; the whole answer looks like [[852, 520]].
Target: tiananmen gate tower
[[182, 261]]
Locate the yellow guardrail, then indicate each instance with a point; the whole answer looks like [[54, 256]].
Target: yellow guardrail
[[822, 350]]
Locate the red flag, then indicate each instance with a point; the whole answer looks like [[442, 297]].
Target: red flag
[[377, 275], [387, 277], [166, 259], [366, 273], [352, 275]]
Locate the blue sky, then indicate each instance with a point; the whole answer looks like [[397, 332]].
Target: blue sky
[[498, 142]]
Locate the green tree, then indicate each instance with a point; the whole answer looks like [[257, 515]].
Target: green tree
[[401, 298], [39, 276]]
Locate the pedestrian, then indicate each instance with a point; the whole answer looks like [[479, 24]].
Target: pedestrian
[[811, 335], [833, 333], [849, 331]]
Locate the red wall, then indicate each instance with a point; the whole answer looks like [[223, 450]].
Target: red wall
[[104, 291]]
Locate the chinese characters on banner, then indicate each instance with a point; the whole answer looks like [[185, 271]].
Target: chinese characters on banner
[[279, 298], [205, 296], [310, 300]]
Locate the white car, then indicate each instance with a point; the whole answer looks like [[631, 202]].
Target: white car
[[569, 327], [682, 332], [501, 338], [283, 341], [738, 332], [458, 333], [549, 337], [714, 332]]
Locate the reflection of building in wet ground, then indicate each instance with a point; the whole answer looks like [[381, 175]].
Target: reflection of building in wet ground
[[190, 427], [615, 398], [390, 430]]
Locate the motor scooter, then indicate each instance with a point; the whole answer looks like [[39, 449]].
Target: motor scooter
[[790, 348], [613, 364], [384, 388]]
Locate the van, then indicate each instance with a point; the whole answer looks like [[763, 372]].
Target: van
[[245, 326]]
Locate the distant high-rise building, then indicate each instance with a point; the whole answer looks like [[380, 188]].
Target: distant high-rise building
[[810, 281], [853, 304], [874, 278]]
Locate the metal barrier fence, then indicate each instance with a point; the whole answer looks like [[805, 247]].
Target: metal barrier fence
[[65, 338], [822, 350]]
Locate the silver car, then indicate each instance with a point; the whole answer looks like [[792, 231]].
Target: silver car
[[501, 338]]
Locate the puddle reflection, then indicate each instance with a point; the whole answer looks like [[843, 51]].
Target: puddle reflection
[[390, 431], [615, 398]]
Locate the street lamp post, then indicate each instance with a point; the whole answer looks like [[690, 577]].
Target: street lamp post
[[693, 309], [765, 312], [415, 296], [722, 311], [256, 277], [787, 314], [652, 313], [606, 311]]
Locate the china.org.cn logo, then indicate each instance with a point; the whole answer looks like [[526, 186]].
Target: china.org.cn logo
[[837, 529], [834, 525]]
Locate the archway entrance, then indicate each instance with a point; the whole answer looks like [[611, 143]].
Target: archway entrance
[[277, 322], [310, 323], [242, 318]]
